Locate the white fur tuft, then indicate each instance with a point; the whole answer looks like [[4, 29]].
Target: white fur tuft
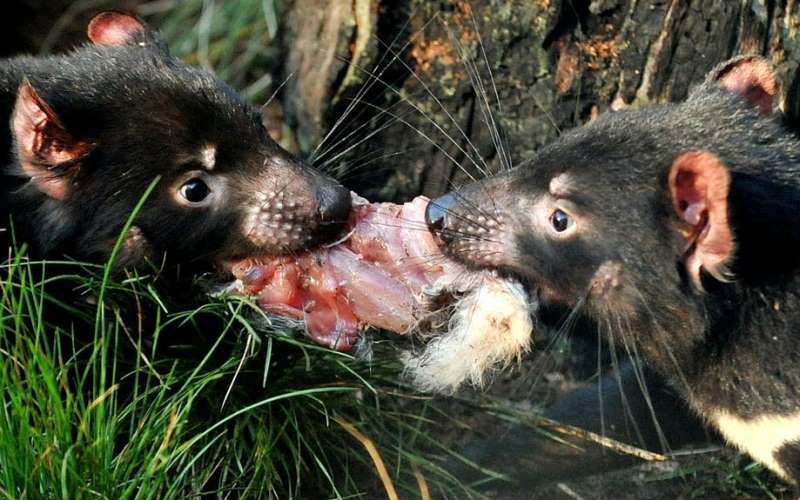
[[490, 328]]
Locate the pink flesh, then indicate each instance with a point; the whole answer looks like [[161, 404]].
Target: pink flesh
[[376, 276]]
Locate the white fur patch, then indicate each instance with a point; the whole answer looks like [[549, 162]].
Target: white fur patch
[[490, 328], [560, 184], [208, 157], [760, 437]]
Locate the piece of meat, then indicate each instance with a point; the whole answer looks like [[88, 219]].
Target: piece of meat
[[388, 272], [377, 275], [379, 231], [374, 295]]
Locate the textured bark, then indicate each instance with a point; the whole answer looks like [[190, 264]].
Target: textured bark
[[555, 64]]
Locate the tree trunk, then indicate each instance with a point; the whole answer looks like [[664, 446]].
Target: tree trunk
[[412, 79]]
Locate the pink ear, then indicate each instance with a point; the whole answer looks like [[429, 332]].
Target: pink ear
[[114, 28], [699, 185], [752, 78], [42, 143]]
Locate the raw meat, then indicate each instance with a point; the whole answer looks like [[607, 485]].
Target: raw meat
[[388, 272]]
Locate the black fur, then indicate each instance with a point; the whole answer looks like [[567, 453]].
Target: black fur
[[147, 114], [789, 458], [732, 347]]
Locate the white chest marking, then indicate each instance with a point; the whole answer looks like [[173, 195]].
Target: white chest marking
[[761, 436]]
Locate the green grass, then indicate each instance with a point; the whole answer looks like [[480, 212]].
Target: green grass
[[234, 38], [726, 476], [94, 406], [106, 392]]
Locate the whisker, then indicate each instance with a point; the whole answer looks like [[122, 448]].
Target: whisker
[[546, 362], [547, 114], [275, 92], [460, 234], [618, 376], [362, 139], [453, 121], [335, 129], [564, 329], [431, 141], [600, 398], [466, 236], [376, 75], [483, 103], [463, 217], [504, 146], [633, 353], [355, 169], [471, 204], [663, 340]]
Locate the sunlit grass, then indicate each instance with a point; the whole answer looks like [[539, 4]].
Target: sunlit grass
[[161, 407], [106, 391]]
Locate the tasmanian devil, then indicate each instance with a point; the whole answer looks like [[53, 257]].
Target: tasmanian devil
[[675, 229], [87, 132]]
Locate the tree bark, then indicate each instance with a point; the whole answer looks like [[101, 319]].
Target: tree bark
[[542, 67]]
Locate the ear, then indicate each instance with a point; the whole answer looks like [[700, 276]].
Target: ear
[[699, 184], [46, 151], [752, 77], [116, 28]]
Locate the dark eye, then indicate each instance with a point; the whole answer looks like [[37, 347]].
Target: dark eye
[[560, 220], [194, 190]]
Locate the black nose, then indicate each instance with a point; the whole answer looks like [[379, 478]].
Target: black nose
[[334, 203], [437, 209]]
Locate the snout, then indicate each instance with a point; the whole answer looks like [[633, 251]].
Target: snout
[[290, 207], [436, 211], [472, 228], [334, 203], [333, 210]]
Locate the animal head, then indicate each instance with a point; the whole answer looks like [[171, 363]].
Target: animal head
[[93, 129], [642, 208]]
